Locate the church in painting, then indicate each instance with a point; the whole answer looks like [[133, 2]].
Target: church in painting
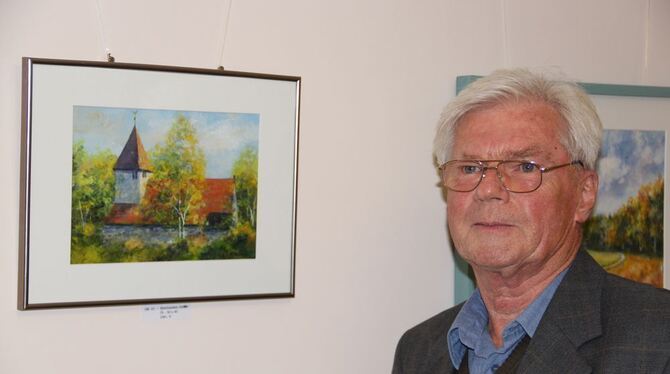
[[132, 172]]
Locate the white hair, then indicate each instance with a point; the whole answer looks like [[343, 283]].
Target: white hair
[[584, 129]]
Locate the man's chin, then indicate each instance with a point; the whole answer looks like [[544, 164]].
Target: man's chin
[[491, 264]]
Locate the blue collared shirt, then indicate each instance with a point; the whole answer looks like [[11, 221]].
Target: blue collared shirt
[[470, 331]]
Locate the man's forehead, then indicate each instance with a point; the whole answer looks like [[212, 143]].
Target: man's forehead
[[524, 130]]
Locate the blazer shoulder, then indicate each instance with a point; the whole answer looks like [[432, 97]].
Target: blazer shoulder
[[622, 294], [433, 328]]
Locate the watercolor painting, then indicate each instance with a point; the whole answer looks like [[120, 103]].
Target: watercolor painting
[[625, 232], [163, 185]]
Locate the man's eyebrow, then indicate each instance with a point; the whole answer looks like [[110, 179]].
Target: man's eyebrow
[[528, 153]]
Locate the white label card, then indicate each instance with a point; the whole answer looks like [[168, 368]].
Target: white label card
[[166, 312]]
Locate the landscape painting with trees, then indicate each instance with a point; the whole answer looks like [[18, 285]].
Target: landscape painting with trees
[[163, 185], [625, 233]]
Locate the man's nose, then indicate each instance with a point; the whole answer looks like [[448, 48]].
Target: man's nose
[[491, 186]]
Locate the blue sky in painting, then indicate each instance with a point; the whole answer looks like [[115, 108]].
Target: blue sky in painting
[[222, 136], [628, 159]]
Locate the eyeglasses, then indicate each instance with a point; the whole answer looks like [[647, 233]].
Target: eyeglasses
[[516, 175]]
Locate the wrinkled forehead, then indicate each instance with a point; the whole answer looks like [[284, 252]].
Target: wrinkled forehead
[[510, 130]]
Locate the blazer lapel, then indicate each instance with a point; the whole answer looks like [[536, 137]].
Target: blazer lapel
[[571, 319], [440, 364], [551, 351], [440, 361]]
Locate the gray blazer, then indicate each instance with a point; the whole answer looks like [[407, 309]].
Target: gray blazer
[[596, 323]]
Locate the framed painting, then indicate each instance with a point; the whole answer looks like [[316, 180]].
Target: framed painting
[[153, 184], [627, 231]]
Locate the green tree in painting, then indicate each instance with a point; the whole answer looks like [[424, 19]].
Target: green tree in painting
[[647, 218], [240, 240], [656, 216], [245, 172], [92, 187], [636, 227], [174, 193]]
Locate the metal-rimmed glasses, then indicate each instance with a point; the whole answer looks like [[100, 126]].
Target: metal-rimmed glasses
[[519, 176]]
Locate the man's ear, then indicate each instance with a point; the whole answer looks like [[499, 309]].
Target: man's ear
[[587, 195]]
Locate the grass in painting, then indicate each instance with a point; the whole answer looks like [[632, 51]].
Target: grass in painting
[[635, 267], [607, 260], [237, 243]]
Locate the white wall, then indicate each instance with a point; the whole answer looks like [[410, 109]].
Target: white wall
[[372, 253]]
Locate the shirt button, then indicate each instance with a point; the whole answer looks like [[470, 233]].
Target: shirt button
[[495, 367]]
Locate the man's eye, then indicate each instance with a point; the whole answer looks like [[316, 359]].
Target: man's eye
[[471, 169], [527, 167]]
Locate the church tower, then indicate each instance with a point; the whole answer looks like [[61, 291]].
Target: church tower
[[132, 170]]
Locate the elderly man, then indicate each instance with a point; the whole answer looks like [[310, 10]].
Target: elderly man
[[517, 156]]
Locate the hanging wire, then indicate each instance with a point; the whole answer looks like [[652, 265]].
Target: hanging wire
[[225, 35], [506, 53], [645, 65], [101, 33]]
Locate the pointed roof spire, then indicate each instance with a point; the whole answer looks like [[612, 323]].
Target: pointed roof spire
[[133, 156]]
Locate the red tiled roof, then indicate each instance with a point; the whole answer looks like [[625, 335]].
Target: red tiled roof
[[218, 196]]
